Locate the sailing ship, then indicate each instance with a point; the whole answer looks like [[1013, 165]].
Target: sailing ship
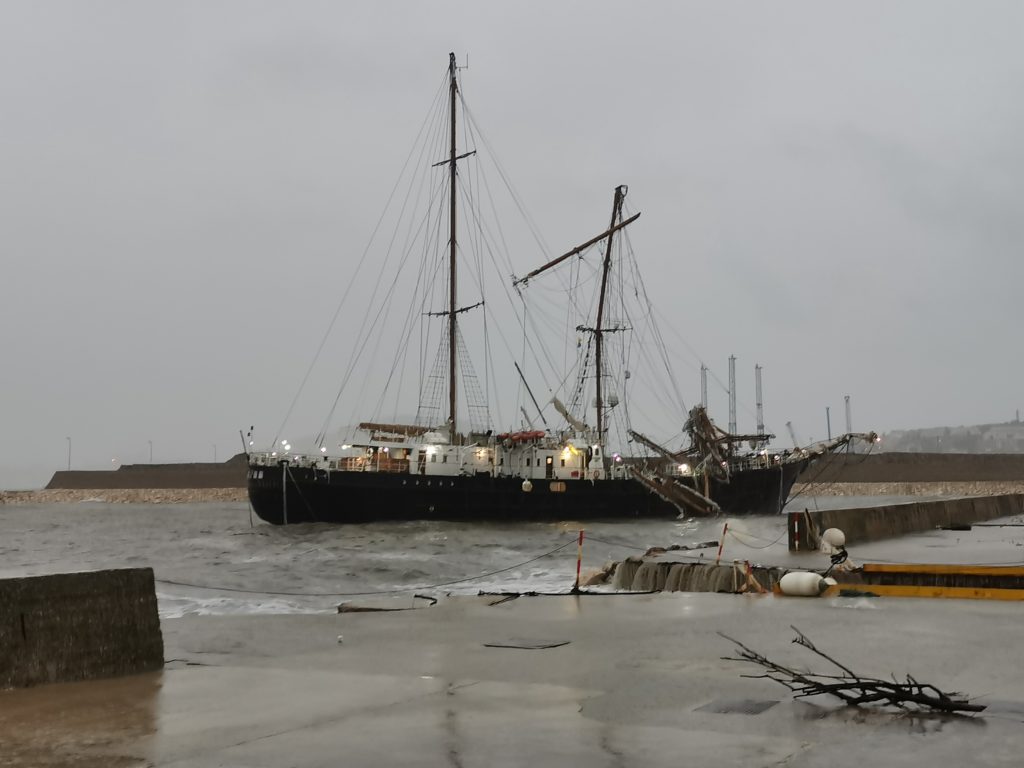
[[440, 468]]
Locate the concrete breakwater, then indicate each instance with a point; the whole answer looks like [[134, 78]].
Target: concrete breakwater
[[228, 474], [884, 522], [125, 496], [916, 468], [931, 488]]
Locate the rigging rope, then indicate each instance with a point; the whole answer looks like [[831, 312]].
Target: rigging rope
[[359, 266]]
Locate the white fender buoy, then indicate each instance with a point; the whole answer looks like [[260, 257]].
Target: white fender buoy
[[832, 540], [527, 486], [802, 584]]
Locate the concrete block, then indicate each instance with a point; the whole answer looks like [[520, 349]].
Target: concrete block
[[78, 626]]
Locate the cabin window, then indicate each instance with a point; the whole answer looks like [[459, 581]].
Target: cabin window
[[433, 457], [557, 487], [501, 461], [527, 461], [563, 462], [444, 459]]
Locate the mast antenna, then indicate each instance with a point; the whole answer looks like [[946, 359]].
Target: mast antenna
[[849, 425], [760, 401], [732, 394]]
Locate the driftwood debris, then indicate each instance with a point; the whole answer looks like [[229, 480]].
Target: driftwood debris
[[852, 688]]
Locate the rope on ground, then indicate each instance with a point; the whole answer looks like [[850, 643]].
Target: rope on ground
[[623, 545], [374, 592]]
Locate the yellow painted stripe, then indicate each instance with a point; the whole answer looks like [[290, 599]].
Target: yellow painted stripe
[[957, 593], [966, 570]]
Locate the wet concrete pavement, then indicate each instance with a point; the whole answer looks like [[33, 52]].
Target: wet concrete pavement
[[638, 683]]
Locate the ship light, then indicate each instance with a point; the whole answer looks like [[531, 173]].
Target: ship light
[[777, 457], [431, 450], [323, 449], [345, 447], [284, 442], [273, 453], [616, 457], [250, 443], [287, 447], [386, 449], [684, 469]]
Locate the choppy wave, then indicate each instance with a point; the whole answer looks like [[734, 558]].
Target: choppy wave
[[207, 559]]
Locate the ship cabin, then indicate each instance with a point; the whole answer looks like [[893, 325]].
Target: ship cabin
[[531, 455]]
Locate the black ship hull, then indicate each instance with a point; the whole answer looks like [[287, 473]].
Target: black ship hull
[[282, 495]]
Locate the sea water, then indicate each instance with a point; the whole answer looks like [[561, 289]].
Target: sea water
[[217, 559]]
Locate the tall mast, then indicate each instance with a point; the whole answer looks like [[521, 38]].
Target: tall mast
[[620, 193], [453, 89]]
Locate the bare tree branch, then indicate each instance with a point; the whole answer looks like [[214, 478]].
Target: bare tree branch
[[850, 687]]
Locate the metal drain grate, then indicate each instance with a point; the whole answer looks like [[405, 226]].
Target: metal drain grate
[[738, 706]]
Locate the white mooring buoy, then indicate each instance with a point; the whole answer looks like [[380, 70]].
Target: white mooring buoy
[[832, 541], [804, 584]]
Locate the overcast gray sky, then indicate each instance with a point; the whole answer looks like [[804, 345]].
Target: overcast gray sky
[[832, 190]]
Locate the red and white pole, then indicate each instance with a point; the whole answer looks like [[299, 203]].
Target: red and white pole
[[721, 543]]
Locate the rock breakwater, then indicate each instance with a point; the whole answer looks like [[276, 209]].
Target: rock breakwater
[[125, 496]]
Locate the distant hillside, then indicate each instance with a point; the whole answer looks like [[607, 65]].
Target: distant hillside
[[983, 438]]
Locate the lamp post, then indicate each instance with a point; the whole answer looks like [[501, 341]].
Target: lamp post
[[69, 453]]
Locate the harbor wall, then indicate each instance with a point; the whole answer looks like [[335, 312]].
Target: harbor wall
[[78, 626], [874, 523], [931, 488], [915, 468], [227, 474]]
